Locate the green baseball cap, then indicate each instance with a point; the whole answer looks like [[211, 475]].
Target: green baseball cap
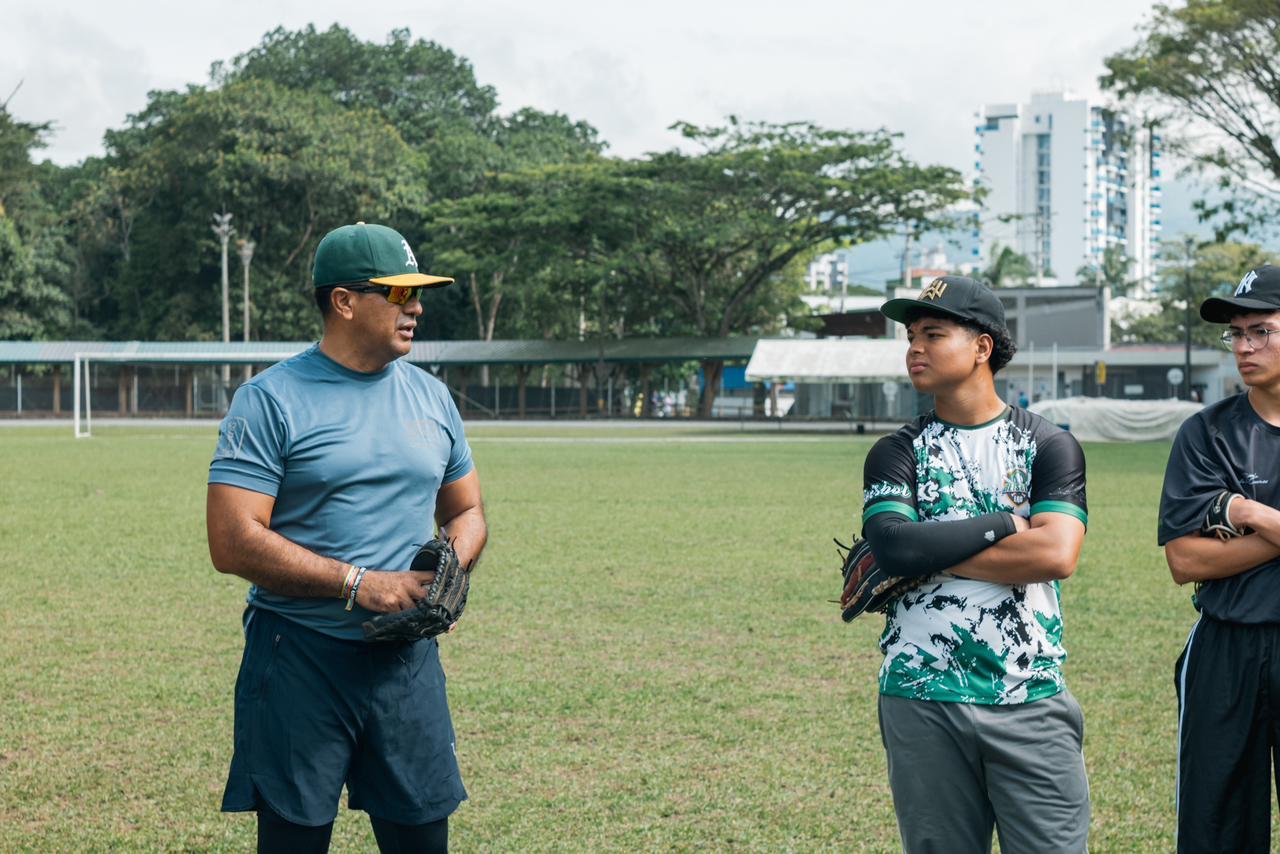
[[369, 253]]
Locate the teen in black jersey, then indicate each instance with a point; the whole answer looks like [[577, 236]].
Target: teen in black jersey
[[988, 501], [1228, 676]]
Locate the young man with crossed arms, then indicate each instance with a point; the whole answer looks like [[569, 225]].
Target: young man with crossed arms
[[1223, 479], [986, 503]]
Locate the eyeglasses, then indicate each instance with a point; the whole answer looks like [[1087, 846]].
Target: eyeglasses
[[393, 293], [1257, 337]]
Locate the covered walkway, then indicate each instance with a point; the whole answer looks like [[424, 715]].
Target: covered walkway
[[196, 378]]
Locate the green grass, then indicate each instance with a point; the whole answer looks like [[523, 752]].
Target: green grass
[[648, 659]]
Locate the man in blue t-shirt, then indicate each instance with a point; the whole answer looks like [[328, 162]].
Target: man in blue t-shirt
[[331, 468]]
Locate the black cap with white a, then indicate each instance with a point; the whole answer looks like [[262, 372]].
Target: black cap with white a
[[1259, 290], [952, 296]]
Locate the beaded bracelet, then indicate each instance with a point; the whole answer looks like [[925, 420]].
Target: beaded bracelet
[[355, 587]]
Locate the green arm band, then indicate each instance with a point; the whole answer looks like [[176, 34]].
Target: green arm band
[[1060, 507], [891, 507]]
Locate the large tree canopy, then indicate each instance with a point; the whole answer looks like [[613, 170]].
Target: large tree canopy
[[715, 230], [425, 91], [290, 165], [420, 87], [33, 249], [1209, 72], [546, 234], [1212, 269]]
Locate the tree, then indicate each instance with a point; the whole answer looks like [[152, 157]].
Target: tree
[[1008, 268], [17, 172], [1215, 270], [713, 231], [1113, 272], [1209, 72], [288, 165], [420, 88], [30, 306], [32, 245], [426, 92]]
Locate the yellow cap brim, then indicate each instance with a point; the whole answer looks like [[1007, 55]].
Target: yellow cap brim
[[413, 280]]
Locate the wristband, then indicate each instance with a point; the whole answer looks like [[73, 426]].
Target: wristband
[[355, 587], [346, 584]]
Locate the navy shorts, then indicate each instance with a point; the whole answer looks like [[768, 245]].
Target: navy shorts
[[314, 712]]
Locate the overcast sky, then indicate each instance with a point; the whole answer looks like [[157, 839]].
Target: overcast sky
[[631, 69]]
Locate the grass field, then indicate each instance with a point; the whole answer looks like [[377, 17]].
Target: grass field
[[648, 659]]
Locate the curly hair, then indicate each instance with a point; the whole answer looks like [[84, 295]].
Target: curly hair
[[1003, 347]]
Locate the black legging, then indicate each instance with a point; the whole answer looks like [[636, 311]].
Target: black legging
[[278, 835], [429, 838]]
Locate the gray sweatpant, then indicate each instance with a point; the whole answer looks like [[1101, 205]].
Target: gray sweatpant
[[958, 769]]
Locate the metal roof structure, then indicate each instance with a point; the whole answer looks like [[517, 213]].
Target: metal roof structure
[[434, 353]]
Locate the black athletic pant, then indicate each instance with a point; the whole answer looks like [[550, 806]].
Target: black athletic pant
[[277, 835], [1228, 684]]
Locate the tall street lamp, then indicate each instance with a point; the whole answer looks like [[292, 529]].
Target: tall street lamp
[[223, 229], [246, 258], [1188, 261]]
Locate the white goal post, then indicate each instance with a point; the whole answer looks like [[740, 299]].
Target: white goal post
[[81, 362]]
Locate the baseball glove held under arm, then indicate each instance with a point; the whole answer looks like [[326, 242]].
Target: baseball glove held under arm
[[1217, 519], [438, 610], [867, 587]]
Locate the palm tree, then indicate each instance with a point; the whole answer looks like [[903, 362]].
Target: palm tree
[[1114, 271], [1008, 268]]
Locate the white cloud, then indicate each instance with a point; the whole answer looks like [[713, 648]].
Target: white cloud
[[629, 68]]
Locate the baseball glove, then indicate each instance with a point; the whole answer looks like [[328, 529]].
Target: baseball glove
[[867, 587], [1217, 519], [436, 612]]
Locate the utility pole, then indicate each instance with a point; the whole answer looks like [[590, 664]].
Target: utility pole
[[246, 258], [223, 229], [1189, 244], [906, 261]]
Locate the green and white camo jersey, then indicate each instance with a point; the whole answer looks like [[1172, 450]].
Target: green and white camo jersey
[[954, 639]]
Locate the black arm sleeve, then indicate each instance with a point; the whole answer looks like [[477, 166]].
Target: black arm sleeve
[[901, 543], [907, 548]]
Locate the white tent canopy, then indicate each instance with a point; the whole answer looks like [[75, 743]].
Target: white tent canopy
[[828, 360]]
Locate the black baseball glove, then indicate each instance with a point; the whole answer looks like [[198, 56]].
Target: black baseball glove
[[1217, 519], [867, 587], [438, 610]]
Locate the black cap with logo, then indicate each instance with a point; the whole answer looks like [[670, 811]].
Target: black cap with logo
[[956, 296], [1259, 290]]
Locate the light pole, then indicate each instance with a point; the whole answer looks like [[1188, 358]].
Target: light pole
[[223, 229], [246, 258], [1189, 242]]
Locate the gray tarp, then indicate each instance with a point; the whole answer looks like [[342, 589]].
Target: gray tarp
[[1100, 419]]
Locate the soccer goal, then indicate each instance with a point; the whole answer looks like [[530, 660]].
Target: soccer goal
[[83, 362]]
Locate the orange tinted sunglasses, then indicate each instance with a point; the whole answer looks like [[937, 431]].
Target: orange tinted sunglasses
[[394, 293]]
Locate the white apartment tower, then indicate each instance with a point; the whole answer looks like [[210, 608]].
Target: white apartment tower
[[1066, 178], [828, 272]]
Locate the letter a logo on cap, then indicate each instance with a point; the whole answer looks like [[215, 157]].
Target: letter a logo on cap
[[409, 260], [935, 290], [1246, 284]]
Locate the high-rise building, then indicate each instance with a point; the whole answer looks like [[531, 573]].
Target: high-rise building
[[1064, 179], [828, 272]]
